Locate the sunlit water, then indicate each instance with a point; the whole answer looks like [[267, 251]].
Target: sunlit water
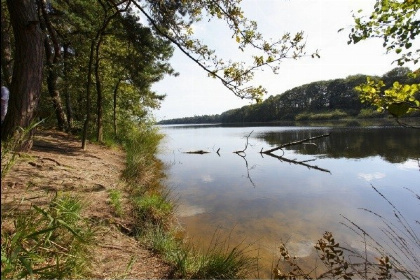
[[262, 200]]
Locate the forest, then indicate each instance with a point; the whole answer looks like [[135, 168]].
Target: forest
[[333, 99]]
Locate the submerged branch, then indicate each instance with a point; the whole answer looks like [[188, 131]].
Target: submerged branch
[[199, 152]]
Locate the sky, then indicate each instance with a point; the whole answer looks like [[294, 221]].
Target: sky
[[193, 93]]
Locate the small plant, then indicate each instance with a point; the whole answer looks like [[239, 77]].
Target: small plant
[[115, 200], [47, 243]]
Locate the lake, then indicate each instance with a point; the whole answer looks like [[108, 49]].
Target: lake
[[296, 194]]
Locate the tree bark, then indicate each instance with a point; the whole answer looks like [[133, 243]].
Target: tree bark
[[25, 89], [6, 48]]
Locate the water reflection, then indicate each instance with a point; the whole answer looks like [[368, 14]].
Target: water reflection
[[395, 145]]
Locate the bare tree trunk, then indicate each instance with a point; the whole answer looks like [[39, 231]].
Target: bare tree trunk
[[52, 88], [114, 119], [25, 89], [69, 108], [88, 101], [99, 120], [6, 48]]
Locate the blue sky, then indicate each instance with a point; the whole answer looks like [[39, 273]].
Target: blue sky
[[193, 93]]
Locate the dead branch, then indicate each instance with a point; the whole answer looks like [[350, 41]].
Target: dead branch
[[199, 152], [246, 145], [293, 143], [53, 160]]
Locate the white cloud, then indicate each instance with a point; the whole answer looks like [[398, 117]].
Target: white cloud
[[409, 164], [371, 176], [207, 178]]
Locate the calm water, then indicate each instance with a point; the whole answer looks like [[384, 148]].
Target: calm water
[[263, 200]]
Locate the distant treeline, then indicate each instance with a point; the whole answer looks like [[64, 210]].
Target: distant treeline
[[333, 99]]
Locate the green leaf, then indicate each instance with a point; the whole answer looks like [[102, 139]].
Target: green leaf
[[41, 231]]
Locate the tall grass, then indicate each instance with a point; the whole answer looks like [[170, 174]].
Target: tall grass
[[47, 243]]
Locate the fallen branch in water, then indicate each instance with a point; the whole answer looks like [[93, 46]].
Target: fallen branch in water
[[281, 158], [199, 152], [246, 145], [293, 143]]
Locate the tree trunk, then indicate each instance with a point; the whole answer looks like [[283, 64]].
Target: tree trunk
[[6, 48], [69, 108], [52, 88], [99, 121], [114, 119], [88, 102], [25, 89]]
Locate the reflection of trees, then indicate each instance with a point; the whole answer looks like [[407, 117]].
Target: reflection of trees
[[395, 145]]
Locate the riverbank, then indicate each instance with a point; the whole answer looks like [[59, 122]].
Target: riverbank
[[57, 166], [100, 213]]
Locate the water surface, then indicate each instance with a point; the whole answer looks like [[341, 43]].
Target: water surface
[[264, 200]]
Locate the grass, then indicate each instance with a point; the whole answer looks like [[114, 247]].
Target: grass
[[48, 243], [115, 200]]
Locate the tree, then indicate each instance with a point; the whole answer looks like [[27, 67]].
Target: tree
[[397, 24], [28, 63], [81, 31]]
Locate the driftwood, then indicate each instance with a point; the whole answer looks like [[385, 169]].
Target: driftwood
[[293, 143], [281, 158], [199, 152]]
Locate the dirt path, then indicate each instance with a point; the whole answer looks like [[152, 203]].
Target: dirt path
[[57, 163]]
